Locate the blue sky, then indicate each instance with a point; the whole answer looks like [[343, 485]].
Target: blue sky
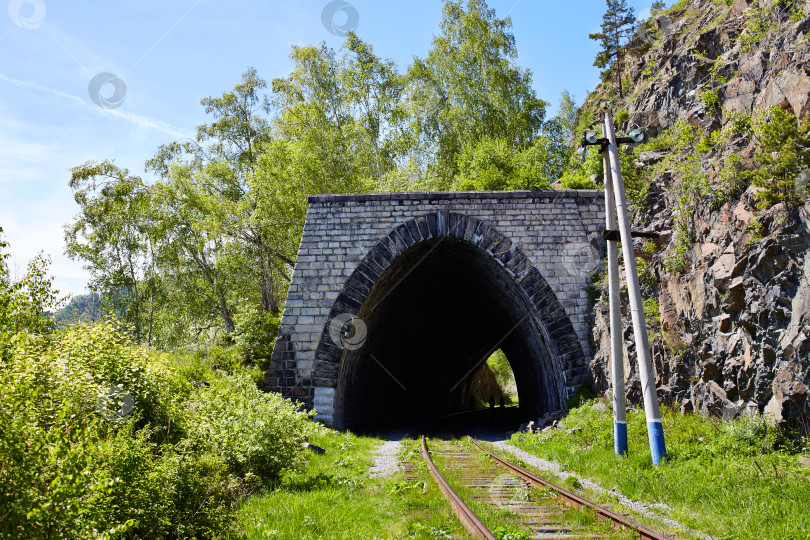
[[169, 55]]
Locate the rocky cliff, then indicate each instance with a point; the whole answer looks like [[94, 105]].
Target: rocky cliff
[[732, 329]]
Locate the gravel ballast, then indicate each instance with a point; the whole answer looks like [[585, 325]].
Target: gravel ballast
[[385, 459]]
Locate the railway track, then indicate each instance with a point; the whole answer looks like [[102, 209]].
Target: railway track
[[512, 499]]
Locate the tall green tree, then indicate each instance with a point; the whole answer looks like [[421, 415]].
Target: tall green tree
[[617, 27], [111, 234], [219, 163], [783, 156], [373, 89], [483, 93]]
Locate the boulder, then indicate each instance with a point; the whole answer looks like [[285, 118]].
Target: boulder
[[735, 300], [724, 268], [789, 401], [716, 402], [723, 322]]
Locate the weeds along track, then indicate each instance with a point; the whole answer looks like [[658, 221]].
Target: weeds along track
[[494, 498]]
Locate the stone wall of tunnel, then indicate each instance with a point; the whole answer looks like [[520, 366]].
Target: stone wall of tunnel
[[437, 279]]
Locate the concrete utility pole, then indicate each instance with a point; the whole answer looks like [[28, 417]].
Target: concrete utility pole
[[655, 431], [616, 349]]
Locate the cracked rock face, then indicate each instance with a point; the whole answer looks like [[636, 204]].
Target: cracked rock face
[[733, 334]]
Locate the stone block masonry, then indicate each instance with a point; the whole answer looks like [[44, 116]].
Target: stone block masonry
[[540, 238]]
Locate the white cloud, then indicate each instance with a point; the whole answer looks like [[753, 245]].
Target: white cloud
[[139, 120]]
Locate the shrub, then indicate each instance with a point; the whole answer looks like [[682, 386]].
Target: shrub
[[651, 311], [258, 434], [256, 333], [173, 464], [711, 101], [580, 177], [691, 181], [485, 165], [582, 394]]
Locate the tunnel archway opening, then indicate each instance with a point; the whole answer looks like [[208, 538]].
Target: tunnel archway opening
[[433, 317], [493, 384]]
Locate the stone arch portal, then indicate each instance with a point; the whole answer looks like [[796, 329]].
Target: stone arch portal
[[421, 310]]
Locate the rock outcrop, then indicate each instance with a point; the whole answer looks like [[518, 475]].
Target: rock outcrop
[[734, 327]]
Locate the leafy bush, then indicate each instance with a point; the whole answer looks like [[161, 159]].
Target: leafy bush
[[691, 181], [256, 333], [579, 177], [675, 262], [711, 100], [486, 165], [174, 463], [259, 435], [581, 395], [652, 311], [492, 164]]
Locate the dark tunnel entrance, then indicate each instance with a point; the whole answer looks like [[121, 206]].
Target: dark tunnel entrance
[[433, 318]]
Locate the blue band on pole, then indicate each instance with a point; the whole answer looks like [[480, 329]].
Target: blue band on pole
[[620, 437], [657, 448]]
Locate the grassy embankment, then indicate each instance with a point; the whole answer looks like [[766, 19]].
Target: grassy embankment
[[737, 480], [335, 497]]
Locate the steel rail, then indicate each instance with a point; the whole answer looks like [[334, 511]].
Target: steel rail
[[471, 522], [573, 499]]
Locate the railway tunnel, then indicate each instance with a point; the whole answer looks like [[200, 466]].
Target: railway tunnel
[[431, 320], [397, 298]]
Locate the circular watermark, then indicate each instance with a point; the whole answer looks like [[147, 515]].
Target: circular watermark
[[506, 490], [108, 91], [339, 18], [348, 331], [801, 184], [665, 117], [115, 403], [421, 98], [579, 258], [28, 14]]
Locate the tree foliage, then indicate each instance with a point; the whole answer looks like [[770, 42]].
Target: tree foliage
[[783, 158], [617, 27], [481, 92], [207, 245], [26, 303]]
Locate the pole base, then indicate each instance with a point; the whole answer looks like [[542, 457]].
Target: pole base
[[656, 434], [620, 438]]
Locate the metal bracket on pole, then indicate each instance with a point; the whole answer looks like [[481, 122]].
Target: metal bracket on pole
[[614, 234], [655, 432]]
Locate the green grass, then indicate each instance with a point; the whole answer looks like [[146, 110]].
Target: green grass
[[738, 480], [335, 498]]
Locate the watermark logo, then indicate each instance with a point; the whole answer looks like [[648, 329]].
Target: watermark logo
[[801, 184], [579, 258], [421, 98], [28, 14], [115, 403], [507, 491], [339, 18], [348, 331], [108, 91]]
